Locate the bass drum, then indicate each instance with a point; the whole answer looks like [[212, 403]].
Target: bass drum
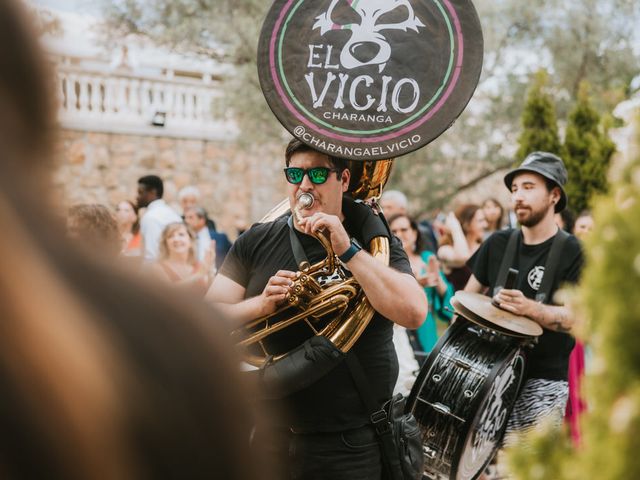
[[463, 397]]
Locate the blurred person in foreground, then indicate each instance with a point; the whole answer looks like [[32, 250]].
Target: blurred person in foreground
[[102, 376]]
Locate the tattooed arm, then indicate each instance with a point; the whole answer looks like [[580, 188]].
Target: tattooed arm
[[551, 317]]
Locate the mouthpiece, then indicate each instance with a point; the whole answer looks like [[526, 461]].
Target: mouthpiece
[[305, 201]]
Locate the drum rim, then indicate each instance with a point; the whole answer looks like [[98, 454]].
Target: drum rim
[[518, 352], [467, 314], [462, 323]]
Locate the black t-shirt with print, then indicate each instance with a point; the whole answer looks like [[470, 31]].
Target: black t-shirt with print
[[332, 403], [549, 359]]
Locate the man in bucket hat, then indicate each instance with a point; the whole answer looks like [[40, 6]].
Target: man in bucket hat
[[546, 258]]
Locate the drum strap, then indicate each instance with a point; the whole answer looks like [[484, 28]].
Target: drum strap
[[550, 267], [507, 260]]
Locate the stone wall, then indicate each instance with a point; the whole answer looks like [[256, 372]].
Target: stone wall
[[236, 185]]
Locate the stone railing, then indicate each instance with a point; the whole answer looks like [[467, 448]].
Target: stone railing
[[121, 102]]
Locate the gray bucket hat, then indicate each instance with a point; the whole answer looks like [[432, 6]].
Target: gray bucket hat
[[549, 166]]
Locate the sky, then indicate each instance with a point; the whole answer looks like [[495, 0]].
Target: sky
[[76, 6]]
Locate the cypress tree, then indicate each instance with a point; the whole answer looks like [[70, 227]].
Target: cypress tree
[[540, 126], [588, 153]]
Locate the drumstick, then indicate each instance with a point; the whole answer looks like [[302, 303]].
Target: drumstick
[[510, 282]]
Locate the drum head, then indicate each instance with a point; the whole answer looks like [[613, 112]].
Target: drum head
[[463, 397], [479, 309], [369, 80], [490, 421]]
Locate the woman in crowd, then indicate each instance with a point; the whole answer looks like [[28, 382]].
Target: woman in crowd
[[177, 262], [129, 228], [493, 214], [426, 269], [465, 231], [94, 227], [583, 225], [576, 404], [103, 376]]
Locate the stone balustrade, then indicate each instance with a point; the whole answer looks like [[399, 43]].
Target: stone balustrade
[[123, 102]]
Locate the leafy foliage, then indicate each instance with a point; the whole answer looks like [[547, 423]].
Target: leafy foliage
[[540, 125], [588, 153]]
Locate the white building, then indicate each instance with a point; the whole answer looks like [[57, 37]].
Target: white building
[[134, 89]]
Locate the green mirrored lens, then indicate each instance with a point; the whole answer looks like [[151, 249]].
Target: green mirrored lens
[[318, 174], [294, 175]]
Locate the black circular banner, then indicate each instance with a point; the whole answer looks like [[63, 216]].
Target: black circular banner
[[369, 79]]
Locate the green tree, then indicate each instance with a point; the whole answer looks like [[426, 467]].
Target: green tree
[[539, 122], [588, 153], [608, 306]]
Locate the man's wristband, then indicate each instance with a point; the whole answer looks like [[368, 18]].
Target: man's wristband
[[351, 251]]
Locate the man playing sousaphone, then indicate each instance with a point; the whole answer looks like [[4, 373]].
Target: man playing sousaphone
[[327, 433]]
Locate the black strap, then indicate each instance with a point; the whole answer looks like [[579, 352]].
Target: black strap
[[377, 416], [507, 260], [296, 245], [551, 266]]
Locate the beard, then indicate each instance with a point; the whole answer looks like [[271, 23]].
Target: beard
[[529, 217]]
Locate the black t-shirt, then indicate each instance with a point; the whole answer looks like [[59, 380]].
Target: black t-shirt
[[332, 403], [549, 359]]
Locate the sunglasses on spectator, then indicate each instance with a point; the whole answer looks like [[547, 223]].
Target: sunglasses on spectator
[[317, 175]]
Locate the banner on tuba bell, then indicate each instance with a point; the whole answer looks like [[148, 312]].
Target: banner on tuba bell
[[369, 79]]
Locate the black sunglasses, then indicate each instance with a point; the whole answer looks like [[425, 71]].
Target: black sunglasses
[[317, 175]]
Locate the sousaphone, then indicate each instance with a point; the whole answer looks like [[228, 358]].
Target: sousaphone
[[368, 81]]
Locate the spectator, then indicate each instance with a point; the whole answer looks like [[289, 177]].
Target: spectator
[[94, 227], [393, 202], [177, 263], [189, 197], [494, 214], [196, 219], [565, 220], [426, 269], [157, 216], [102, 376], [465, 230], [129, 227], [583, 225]]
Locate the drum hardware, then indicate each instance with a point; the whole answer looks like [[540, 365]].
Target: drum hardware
[[428, 452], [484, 333], [462, 364], [468, 385]]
